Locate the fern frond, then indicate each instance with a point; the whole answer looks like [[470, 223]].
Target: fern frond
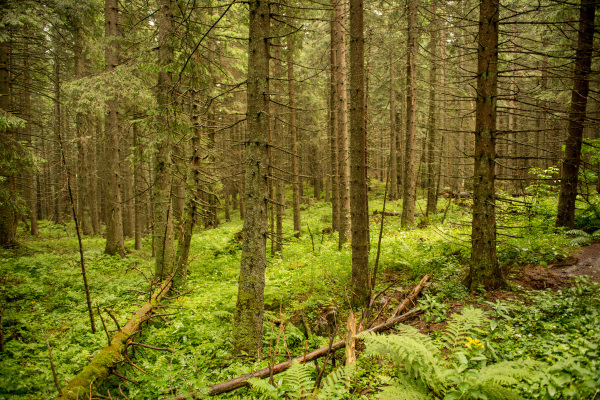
[[335, 383], [580, 241], [509, 373], [413, 352], [460, 326], [596, 234], [298, 380], [576, 232], [263, 387], [496, 392], [402, 390]]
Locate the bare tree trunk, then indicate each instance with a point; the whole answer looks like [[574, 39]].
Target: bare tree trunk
[[294, 138], [114, 218], [485, 271], [248, 318], [277, 135], [333, 133], [393, 193], [138, 181], [358, 178], [570, 167], [410, 176], [432, 151], [342, 118], [30, 191], [7, 210], [163, 185]]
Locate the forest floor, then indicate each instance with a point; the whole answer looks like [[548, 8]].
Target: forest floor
[[41, 291]]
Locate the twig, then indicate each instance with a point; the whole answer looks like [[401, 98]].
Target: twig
[[150, 347], [117, 373], [179, 295], [52, 364], [103, 324], [121, 390], [113, 318]]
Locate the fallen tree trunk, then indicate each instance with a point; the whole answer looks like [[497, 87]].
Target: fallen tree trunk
[[236, 383], [99, 369], [411, 296], [388, 213]]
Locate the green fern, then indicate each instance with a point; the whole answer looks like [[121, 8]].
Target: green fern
[[461, 326], [297, 383], [581, 238], [423, 371]]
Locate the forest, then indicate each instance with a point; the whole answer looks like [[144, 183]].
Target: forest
[[299, 199]]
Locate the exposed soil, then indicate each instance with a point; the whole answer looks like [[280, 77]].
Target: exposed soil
[[586, 262]]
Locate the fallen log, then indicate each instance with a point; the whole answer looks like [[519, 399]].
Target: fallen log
[[241, 381], [388, 213], [411, 296], [101, 366]]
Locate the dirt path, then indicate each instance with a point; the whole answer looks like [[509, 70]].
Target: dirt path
[[587, 262]]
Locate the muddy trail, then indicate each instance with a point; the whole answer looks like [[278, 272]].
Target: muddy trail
[[586, 261]]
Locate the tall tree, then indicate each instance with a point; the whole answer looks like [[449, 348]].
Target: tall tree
[[393, 193], [410, 174], [485, 271], [358, 158], [114, 218], [163, 207], [579, 95], [333, 130], [433, 111], [7, 207], [341, 108], [248, 318], [294, 139]]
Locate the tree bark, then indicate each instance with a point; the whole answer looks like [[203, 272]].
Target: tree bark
[[393, 193], [432, 151], [342, 120], [138, 180], [7, 210], [410, 176], [163, 205], [294, 139], [248, 318], [114, 218], [333, 133], [570, 166], [358, 159], [485, 271]]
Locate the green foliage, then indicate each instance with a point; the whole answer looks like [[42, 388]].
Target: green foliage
[[423, 368], [581, 238], [298, 383]]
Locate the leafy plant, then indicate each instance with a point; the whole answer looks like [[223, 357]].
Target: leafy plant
[[581, 238], [424, 368], [297, 383]]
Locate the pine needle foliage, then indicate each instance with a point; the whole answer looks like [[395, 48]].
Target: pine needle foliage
[[455, 369]]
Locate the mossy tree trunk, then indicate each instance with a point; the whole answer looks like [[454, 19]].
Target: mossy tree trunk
[[248, 318]]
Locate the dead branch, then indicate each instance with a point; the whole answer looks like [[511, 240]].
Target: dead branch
[[410, 298]]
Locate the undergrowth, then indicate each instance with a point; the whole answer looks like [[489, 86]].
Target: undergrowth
[[306, 300]]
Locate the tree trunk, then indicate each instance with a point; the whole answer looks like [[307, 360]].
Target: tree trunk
[[163, 206], [114, 218], [138, 188], [485, 272], [342, 118], [7, 210], [393, 193], [410, 176], [248, 318], [432, 152], [278, 136], [294, 139], [570, 166], [333, 133], [358, 171]]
